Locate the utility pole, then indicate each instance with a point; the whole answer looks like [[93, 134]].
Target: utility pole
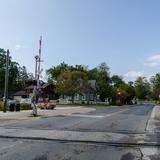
[[6, 82], [36, 90]]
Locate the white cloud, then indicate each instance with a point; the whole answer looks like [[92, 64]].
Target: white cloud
[[149, 77], [153, 61], [132, 75], [18, 47]]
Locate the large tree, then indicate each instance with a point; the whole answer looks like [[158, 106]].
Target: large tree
[[17, 74], [155, 82], [125, 93], [117, 80], [55, 71], [142, 88], [103, 82], [71, 83], [2, 68]]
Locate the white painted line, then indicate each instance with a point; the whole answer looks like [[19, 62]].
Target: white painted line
[[98, 116], [86, 116], [112, 114]]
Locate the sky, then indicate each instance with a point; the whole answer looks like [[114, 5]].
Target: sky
[[123, 33]]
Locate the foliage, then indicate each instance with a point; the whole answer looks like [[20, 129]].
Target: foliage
[[155, 82], [1, 105], [125, 93], [104, 89], [103, 85], [106, 86], [142, 88], [25, 106], [71, 83], [117, 80], [55, 71], [17, 74]]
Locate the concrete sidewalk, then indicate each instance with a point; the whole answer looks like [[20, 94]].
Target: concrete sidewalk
[[154, 121], [27, 114]]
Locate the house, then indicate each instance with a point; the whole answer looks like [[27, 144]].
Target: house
[[78, 98], [47, 91]]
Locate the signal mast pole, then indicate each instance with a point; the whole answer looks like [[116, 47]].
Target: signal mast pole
[[39, 60], [36, 90], [38, 64]]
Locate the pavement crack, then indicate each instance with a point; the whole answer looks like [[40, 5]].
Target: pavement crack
[[141, 158]]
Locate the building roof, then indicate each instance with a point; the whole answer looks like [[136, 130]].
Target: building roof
[[21, 93], [42, 86], [24, 93], [47, 84], [30, 87]]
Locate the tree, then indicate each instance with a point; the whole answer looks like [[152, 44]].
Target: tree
[[142, 88], [55, 71], [155, 82], [104, 89], [2, 68], [71, 83], [103, 82], [117, 80], [125, 93], [17, 74]]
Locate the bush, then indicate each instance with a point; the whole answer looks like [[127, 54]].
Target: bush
[[25, 106], [1, 105], [157, 102]]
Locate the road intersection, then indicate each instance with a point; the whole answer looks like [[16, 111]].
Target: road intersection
[[110, 133]]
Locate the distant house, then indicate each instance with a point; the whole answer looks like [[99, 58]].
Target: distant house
[[47, 91], [89, 96], [22, 96]]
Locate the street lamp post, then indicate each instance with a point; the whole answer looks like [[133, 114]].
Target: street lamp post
[[6, 83]]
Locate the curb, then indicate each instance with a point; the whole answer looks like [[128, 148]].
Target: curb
[[119, 144], [154, 121]]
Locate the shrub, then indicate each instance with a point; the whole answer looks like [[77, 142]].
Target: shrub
[[25, 106], [1, 105]]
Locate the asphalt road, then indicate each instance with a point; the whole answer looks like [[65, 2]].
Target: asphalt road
[[119, 119], [122, 120]]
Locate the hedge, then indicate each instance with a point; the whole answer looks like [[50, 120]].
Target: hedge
[[25, 106], [1, 105]]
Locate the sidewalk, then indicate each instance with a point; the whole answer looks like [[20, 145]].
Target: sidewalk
[[27, 114], [154, 121]]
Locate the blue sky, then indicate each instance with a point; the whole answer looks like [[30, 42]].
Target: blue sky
[[123, 33]]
